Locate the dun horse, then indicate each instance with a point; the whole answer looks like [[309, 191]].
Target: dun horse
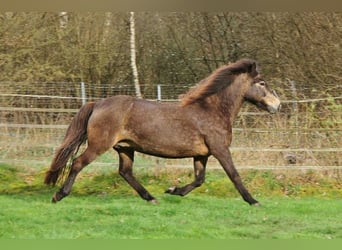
[[198, 126]]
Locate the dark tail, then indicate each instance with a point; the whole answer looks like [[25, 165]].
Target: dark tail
[[75, 136]]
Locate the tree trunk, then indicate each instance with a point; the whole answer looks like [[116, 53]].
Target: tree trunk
[[133, 59]]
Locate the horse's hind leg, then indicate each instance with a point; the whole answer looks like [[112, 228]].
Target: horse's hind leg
[[126, 156], [199, 167], [78, 164]]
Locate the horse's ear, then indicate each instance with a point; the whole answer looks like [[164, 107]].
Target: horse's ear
[[253, 69]]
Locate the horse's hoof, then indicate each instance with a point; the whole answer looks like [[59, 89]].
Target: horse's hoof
[[170, 190], [54, 199], [256, 204], [154, 201]]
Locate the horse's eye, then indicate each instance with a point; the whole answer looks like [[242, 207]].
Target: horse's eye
[[262, 83]]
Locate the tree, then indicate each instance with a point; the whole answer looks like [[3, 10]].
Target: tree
[[133, 56]]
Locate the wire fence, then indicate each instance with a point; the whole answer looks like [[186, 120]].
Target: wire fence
[[305, 134]]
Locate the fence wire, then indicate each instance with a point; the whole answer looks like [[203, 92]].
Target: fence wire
[[34, 117]]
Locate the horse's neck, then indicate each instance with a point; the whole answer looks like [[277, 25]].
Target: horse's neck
[[234, 99], [234, 110]]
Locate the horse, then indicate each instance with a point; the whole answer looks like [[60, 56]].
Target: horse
[[199, 125]]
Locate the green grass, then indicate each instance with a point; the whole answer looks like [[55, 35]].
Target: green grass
[[192, 217], [103, 206]]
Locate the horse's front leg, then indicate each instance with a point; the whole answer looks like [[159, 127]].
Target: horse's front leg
[[126, 156], [199, 167], [223, 155]]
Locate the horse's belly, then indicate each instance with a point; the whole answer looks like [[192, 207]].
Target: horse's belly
[[174, 153], [167, 148]]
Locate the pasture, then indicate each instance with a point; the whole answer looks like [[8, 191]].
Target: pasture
[[295, 205]]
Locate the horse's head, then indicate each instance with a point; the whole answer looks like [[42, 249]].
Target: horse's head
[[262, 96]]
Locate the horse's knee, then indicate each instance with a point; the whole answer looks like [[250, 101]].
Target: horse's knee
[[122, 173], [126, 174], [125, 169]]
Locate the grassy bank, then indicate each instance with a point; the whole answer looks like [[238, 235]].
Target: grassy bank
[[100, 181], [304, 205]]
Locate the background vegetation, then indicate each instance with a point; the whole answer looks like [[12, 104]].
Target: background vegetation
[[172, 48]]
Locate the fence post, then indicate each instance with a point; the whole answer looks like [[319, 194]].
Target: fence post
[[158, 92], [295, 110], [83, 94]]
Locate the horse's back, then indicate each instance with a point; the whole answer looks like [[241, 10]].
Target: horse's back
[[114, 101]]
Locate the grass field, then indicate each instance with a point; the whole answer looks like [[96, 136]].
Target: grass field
[[194, 217], [102, 206]]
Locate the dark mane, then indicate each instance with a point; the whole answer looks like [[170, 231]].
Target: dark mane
[[218, 80]]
